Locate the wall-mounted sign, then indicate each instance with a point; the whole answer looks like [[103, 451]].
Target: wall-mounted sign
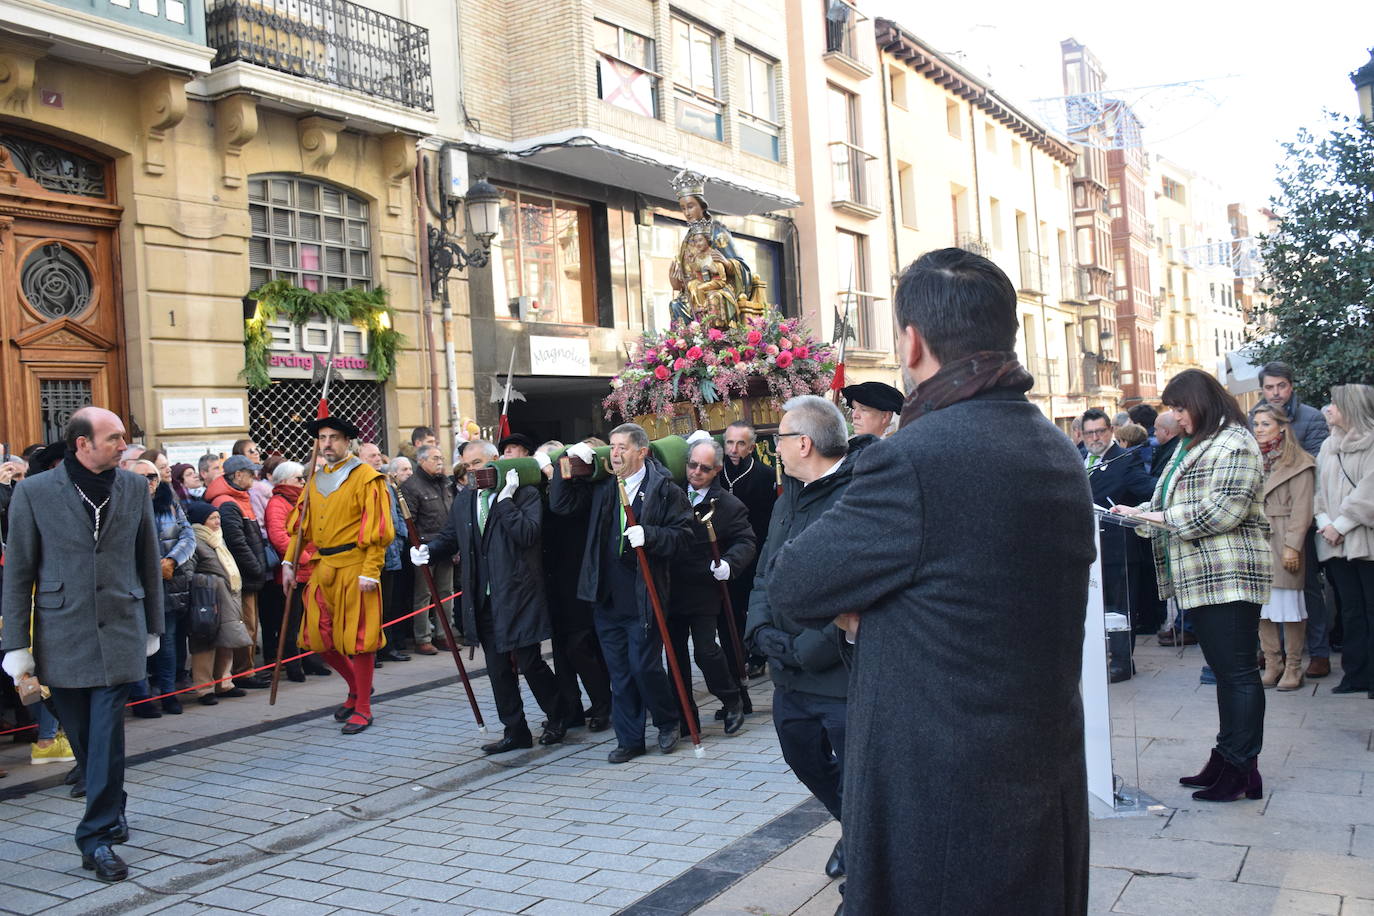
[[560, 356], [191, 452], [221, 413], [183, 413], [295, 351]]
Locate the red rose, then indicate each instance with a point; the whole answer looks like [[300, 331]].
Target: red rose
[[784, 359], [748, 354], [694, 353], [679, 364], [801, 352], [661, 373], [754, 338], [715, 333], [731, 354]]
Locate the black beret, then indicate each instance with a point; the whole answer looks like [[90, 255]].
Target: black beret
[[335, 423], [874, 394], [515, 439]]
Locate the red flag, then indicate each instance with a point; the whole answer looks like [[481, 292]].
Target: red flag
[[323, 410], [502, 428], [837, 382]]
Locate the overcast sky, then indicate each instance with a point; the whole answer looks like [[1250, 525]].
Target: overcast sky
[[1269, 69]]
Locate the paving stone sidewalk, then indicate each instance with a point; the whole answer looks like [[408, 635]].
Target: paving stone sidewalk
[[1306, 848]]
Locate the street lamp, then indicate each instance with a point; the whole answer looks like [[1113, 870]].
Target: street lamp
[[1363, 79], [483, 206]]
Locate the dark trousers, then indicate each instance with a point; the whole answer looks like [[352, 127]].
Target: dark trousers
[[811, 734], [502, 670], [93, 718], [709, 656], [1229, 637], [395, 604], [1318, 614], [271, 617], [740, 588], [577, 654], [634, 658], [1354, 584]]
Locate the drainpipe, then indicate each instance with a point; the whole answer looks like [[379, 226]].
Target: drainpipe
[[426, 300]]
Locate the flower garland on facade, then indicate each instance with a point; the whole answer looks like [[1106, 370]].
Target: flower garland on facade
[[703, 365], [368, 309]]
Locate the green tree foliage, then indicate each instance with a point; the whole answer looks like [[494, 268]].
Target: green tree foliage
[[1319, 260]]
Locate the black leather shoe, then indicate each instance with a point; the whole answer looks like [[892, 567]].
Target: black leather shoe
[[625, 754], [834, 866], [342, 713], [232, 693], [294, 672], [73, 776], [598, 723], [79, 788], [720, 714], [552, 735], [171, 706], [312, 665], [1339, 688], [667, 739], [392, 655], [357, 722], [208, 700], [107, 866], [119, 833], [510, 743], [734, 718], [147, 710], [253, 682]]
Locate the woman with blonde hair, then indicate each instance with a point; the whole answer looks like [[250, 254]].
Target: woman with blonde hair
[[1344, 506], [1289, 480]]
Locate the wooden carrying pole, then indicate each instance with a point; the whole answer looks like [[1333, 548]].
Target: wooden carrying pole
[[736, 643], [442, 613], [662, 621]]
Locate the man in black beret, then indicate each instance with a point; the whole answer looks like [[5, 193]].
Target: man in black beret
[[516, 445], [872, 405]]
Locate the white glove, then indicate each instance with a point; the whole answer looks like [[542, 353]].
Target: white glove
[[635, 535], [512, 484], [721, 570], [583, 452], [420, 555], [288, 572], [542, 459], [17, 663], [700, 435], [154, 643]]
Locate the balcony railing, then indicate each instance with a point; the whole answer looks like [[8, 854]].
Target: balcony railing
[[328, 41], [843, 45], [1035, 272], [972, 242], [850, 179]]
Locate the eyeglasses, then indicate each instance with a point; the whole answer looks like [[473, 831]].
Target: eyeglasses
[[1105, 431], [300, 477], [698, 466], [151, 476], [778, 437]]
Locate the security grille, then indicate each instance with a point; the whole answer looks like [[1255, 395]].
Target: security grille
[[58, 399], [277, 415]]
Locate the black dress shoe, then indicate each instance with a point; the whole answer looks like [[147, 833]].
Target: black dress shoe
[[294, 672], [108, 867], [625, 754], [834, 866], [119, 833], [342, 713], [1339, 688], [392, 655], [357, 722], [73, 776], [598, 723], [312, 665], [720, 714], [253, 682], [734, 718], [667, 739], [232, 693], [553, 736], [147, 710], [208, 700], [171, 706], [514, 742], [79, 788]]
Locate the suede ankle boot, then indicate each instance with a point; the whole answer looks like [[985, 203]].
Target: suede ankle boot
[[1234, 782], [1209, 773]]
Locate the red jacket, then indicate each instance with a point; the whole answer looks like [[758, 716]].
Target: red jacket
[[284, 496]]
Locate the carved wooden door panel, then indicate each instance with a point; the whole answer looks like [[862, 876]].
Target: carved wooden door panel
[[61, 318]]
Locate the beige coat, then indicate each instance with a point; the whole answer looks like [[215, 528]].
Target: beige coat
[[1345, 495], [1288, 506]]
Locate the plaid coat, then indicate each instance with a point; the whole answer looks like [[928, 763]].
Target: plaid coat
[[1218, 548]]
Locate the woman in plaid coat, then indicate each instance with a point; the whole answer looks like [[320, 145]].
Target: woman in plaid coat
[[1214, 560]]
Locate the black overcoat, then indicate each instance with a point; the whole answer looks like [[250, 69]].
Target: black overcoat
[[565, 539], [510, 547], [666, 517], [964, 542], [695, 592]]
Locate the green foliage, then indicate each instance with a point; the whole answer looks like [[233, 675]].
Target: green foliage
[[1319, 260], [279, 300]]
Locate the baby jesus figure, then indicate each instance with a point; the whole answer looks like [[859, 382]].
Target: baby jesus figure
[[706, 288]]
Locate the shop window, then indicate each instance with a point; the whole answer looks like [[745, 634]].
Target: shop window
[[627, 69], [696, 80], [758, 105], [310, 234], [544, 259]]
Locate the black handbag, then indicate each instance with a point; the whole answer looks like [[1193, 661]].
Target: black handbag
[[203, 617]]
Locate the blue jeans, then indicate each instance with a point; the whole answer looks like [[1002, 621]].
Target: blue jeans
[[47, 723], [162, 664]]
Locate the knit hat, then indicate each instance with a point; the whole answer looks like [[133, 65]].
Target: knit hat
[[199, 510]]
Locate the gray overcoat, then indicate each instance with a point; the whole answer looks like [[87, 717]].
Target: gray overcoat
[[963, 542], [94, 603]]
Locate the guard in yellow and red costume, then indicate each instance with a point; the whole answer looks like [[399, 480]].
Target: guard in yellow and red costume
[[347, 515]]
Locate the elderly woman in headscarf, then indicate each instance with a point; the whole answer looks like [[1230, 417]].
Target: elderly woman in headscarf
[[212, 659]]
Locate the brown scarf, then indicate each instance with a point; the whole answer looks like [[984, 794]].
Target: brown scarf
[[1269, 451], [962, 379]]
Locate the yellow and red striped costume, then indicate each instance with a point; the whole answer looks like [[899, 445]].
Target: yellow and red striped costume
[[339, 615]]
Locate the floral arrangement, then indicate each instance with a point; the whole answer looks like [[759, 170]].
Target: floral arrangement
[[701, 364]]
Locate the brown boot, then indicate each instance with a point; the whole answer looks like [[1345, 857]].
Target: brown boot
[[1295, 638], [1273, 658], [1319, 667]]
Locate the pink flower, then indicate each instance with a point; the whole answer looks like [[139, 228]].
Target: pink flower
[[771, 350], [680, 343], [784, 359], [679, 364], [650, 354], [754, 338], [731, 353], [694, 353], [785, 344], [715, 333], [801, 352], [748, 354], [661, 373]]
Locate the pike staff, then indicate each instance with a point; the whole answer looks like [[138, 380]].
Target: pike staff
[[661, 620], [735, 642], [414, 537]]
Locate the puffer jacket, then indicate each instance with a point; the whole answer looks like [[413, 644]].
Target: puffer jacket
[[1345, 495], [284, 496], [800, 659], [177, 541]]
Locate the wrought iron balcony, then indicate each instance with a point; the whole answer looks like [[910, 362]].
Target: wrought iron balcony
[[1035, 272], [852, 187], [972, 242], [328, 41]]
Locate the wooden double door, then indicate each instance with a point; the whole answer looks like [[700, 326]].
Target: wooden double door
[[61, 315]]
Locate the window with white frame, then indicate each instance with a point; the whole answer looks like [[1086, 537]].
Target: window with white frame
[[759, 126], [851, 274], [696, 79], [308, 233], [626, 69]]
